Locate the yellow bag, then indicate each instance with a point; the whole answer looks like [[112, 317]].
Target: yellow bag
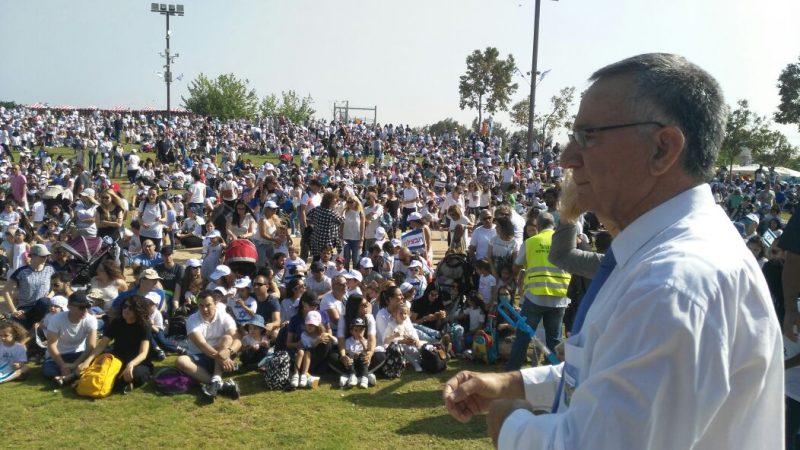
[[97, 380]]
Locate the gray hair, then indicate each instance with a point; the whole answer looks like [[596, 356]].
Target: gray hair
[[545, 220], [684, 95]]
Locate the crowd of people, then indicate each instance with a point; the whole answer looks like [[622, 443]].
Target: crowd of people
[[344, 224]]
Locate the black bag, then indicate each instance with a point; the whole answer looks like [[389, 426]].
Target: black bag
[[177, 325], [395, 361], [434, 358], [276, 370]]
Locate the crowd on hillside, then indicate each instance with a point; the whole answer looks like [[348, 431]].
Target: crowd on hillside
[[343, 222]]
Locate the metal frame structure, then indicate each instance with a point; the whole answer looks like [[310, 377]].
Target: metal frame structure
[[338, 107], [167, 10]]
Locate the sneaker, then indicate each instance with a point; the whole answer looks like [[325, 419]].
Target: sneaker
[[371, 379], [181, 351], [352, 381], [212, 389], [303, 381], [364, 383], [343, 381], [160, 355], [294, 381], [230, 389]]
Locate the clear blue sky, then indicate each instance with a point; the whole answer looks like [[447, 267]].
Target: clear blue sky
[[405, 57]]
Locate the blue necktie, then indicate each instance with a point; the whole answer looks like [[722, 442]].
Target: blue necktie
[[606, 267]]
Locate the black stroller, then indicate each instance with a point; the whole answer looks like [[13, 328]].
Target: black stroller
[[87, 254]]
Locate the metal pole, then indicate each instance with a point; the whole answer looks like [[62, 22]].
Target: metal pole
[[533, 77], [168, 74]]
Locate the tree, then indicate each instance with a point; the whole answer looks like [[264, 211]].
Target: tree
[[487, 86], [291, 106], [546, 125], [747, 132], [789, 88], [448, 126], [226, 97]]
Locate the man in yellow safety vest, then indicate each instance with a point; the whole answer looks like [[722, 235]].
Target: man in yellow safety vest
[[543, 294]]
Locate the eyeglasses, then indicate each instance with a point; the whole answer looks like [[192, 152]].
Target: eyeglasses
[[579, 136]]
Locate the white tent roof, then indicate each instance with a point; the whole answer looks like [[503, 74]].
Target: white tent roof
[[751, 168]]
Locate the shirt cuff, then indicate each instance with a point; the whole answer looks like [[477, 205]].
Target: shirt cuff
[[523, 430], [541, 384]]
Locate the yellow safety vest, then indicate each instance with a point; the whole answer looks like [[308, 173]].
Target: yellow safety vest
[[542, 277]]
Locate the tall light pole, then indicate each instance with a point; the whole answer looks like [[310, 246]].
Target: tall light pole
[[167, 10], [533, 76]]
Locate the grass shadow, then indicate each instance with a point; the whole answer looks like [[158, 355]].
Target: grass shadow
[[445, 427]]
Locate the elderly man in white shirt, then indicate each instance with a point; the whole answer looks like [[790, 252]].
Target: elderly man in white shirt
[[681, 348]]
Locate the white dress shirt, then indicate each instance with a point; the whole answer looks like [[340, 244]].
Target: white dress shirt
[[680, 350]]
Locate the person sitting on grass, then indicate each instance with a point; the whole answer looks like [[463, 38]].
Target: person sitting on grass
[[212, 346], [13, 358], [130, 335], [255, 342], [372, 356], [294, 331], [71, 338]]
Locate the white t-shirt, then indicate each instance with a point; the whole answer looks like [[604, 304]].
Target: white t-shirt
[[328, 302], [71, 336], [133, 162], [508, 175], [212, 331], [197, 192], [410, 196], [476, 317], [481, 236], [485, 286], [239, 313]]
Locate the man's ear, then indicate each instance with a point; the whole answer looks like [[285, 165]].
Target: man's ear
[[667, 151]]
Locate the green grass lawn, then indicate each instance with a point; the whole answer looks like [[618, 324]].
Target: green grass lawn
[[402, 413]]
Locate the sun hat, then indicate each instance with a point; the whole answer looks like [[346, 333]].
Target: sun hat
[[220, 271], [257, 321], [313, 318], [243, 282], [194, 262], [366, 263], [149, 274], [154, 297]]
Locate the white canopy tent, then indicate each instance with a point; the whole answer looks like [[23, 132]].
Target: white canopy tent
[[782, 171]]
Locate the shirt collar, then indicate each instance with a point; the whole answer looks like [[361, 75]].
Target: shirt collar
[[653, 222]]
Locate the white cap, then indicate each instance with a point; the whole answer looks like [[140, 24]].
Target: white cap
[[397, 243], [353, 275], [220, 271], [752, 217], [88, 192], [415, 263], [194, 262], [243, 282], [380, 234], [60, 301], [366, 263], [153, 297], [214, 234], [414, 216], [406, 287], [271, 205]]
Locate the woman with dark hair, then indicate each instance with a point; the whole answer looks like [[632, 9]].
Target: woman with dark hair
[[241, 224], [109, 216], [325, 224], [152, 215], [503, 247], [373, 356], [130, 334]]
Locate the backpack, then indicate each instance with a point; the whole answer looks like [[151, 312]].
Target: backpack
[[434, 358], [97, 380], [276, 370], [481, 345], [395, 362], [171, 381]]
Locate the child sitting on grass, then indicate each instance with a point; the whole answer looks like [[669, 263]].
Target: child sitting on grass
[[355, 346], [255, 343], [13, 358], [401, 331], [312, 334]]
